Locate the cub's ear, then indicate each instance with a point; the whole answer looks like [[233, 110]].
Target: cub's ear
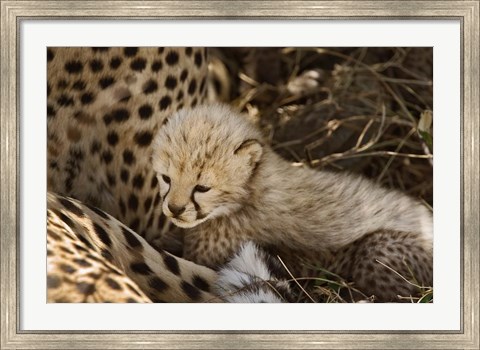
[[251, 149]]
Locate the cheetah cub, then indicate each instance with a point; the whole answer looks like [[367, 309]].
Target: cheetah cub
[[219, 178]]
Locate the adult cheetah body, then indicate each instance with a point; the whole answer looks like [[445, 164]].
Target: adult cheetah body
[[104, 106]]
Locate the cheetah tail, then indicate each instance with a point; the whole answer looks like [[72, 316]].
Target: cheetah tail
[[250, 277]]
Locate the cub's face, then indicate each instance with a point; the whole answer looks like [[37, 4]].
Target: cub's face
[[204, 159]]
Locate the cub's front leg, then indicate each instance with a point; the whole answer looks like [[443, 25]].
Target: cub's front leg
[[212, 247]]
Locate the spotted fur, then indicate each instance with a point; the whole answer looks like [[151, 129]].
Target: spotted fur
[[92, 257], [76, 273], [104, 106]]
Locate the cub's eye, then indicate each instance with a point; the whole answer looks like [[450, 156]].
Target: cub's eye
[[166, 179], [200, 188]]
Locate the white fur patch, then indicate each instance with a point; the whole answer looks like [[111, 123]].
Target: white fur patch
[[240, 281]]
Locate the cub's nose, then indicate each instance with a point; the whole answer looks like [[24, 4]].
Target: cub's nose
[[176, 211]]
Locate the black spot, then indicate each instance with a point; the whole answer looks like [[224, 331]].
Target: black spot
[[112, 138], [107, 255], [217, 85], [143, 139], [135, 224], [111, 180], [82, 262], [158, 284], [79, 85], [191, 291], [180, 96], [172, 264], [200, 283], [76, 153], [67, 268], [65, 100], [120, 115], [97, 211], [145, 111], [202, 84], [138, 64], [150, 221], [95, 147], [154, 182], [133, 202], [184, 75], [198, 59], [54, 235], [115, 62], [112, 284], [107, 157], [130, 51], [62, 84], [87, 98], [106, 82], [138, 181], [150, 86], [124, 175], [96, 65], [192, 87], [170, 82], [141, 268], [74, 67], [147, 203], [130, 238], [102, 234], [84, 241], [79, 247], [50, 111], [86, 288], [157, 199], [128, 157], [188, 51], [131, 300], [172, 58], [53, 282], [132, 289], [156, 66], [275, 268], [165, 102], [49, 89], [65, 219], [100, 49], [194, 102], [160, 50], [123, 209], [70, 206], [50, 55], [65, 249]]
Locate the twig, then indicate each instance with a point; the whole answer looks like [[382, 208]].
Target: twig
[[286, 268]]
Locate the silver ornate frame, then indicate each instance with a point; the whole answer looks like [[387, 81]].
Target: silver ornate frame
[[12, 13]]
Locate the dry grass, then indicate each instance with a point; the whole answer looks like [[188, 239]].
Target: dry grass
[[364, 110]]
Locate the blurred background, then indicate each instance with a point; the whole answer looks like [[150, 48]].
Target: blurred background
[[364, 110]]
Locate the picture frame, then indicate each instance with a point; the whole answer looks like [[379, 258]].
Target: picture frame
[[13, 12]]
